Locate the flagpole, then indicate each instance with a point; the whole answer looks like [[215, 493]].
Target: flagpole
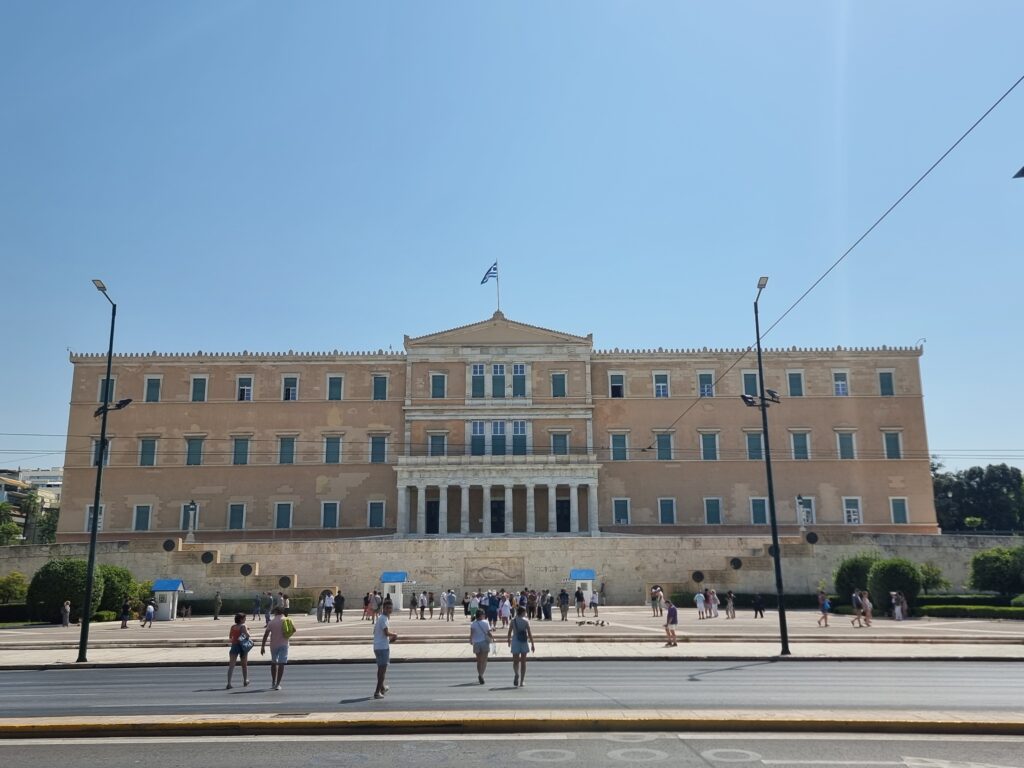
[[497, 284]]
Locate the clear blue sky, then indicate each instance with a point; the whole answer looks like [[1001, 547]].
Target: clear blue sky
[[318, 175]]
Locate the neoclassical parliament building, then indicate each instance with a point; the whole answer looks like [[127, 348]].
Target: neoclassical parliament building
[[493, 429]]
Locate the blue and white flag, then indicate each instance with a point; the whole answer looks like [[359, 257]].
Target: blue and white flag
[[491, 272]]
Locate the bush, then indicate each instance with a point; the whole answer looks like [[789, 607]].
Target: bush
[[894, 575], [852, 573], [932, 577], [986, 600], [1018, 601], [998, 569], [55, 582], [972, 612], [12, 612], [118, 583], [106, 616], [13, 587]]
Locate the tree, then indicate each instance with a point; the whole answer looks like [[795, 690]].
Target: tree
[[896, 574], [118, 584], [9, 530], [57, 581], [998, 570], [932, 577], [30, 506], [46, 529], [852, 573], [992, 497], [13, 587]]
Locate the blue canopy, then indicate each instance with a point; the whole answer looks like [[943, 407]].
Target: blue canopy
[[582, 574], [394, 577], [168, 585]]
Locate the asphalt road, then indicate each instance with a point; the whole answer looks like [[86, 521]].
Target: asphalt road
[[772, 685], [693, 750]]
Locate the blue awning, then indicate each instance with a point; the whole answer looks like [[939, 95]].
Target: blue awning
[[394, 577], [168, 585], [582, 574]]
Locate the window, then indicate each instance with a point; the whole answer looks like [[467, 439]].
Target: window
[[667, 511], [750, 386], [378, 449], [286, 450], [661, 385], [898, 510], [709, 446], [801, 445], [558, 385], [851, 510], [244, 386], [519, 380], [477, 381], [560, 444], [706, 383], [497, 438], [477, 439], [88, 519], [283, 514], [620, 511], [193, 451], [335, 387], [153, 391], [796, 383], [438, 445], [289, 387], [236, 517], [713, 511], [375, 514], [147, 452], [141, 522], [619, 452], [755, 446], [96, 453], [805, 510], [758, 510], [846, 445], [886, 386], [102, 395], [840, 383], [664, 443], [893, 446], [332, 449], [240, 451], [438, 386], [498, 380], [189, 517], [199, 389], [616, 385], [329, 514], [518, 438], [380, 387]]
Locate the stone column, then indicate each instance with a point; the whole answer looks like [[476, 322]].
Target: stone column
[[464, 500], [531, 513], [421, 510], [574, 508], [402, 523], [552, 518], [442, 510], [592, 521], [487, 508], [509, 527]]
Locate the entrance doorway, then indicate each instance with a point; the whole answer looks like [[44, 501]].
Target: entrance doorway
[[433, 513], [497, 516], [562, 515]]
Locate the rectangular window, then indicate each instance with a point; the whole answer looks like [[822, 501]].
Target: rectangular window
[[147, 452], [142, 511], [438, 445], [335, 387], [378, 449], [846, 445], [438, 386], [893, 447], [661, 385], [332, 449], [380, 387], [477, 381], [709, 446], [519, 380], [289, 387], [236, 517], [796, 383], [664, 442], [518, 438], [286, 450], [283, 514], [559, 444], [805, 510], [619, 452], [477, 439], [199, 389], [498, 380], [840, 383], [620, 509], [189, 517], [153, 389], [851, 510], [558, 385], [667, 511], [497, 438], [88, 519], [886, 386], [329, 514], [750, 386], [240, 451], [375, 514], [244, 394], [713, 511], [801, 445], [106, 453], [758, 510], [755, 446], [110, 383], [706, 383], [898, 510], [616, 385], [193, 451]]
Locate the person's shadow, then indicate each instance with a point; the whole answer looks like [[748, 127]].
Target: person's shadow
[[359, 700]]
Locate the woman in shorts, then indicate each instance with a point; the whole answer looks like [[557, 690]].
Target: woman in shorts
[[241, 644], [481, 637], [520, 640]]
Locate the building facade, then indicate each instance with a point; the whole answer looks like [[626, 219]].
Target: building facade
[[497, 428]]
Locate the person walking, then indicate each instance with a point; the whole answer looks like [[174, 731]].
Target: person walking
[[504, 611], [858, 609], [593, 603], [520, 640], [241, 644], [382, 639], [65, 614], [126, 612], [758, 603], [147, 617], [563, 604], [339, 606], [480, 637], [255, 606], [275, 631], [698, 600], [730, 605], [581, 604], [268, 605], [866, 605], [217, 603], [824, 606], [655, 601], [671, 620], [423, 606], [328, 606], [715, 602]]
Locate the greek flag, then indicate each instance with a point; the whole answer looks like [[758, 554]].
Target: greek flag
[[491, 272]]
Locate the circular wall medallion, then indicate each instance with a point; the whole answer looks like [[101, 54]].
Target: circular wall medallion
[[812, 538], [245, 570], [736, 563], [698, 576], [207, 557], [771, 551], [170, 545], [285, 582]]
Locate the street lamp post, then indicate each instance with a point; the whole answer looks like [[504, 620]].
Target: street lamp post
[[190, 535]]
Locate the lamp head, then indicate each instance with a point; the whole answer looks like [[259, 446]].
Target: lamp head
[[100, 286], [122, 403], [748, 401], [762, 283], [773, 395], [1019, 174]]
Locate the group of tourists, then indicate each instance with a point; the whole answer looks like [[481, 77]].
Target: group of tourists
[[265, 603], [426, 601], [330, 603]]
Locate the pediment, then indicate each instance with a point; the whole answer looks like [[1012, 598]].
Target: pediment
[[495, 331]]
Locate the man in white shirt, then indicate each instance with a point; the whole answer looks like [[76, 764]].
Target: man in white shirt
[[382, 639]]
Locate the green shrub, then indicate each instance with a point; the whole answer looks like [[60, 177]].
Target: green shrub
[[988, 600], [12, 612], [998, 570], [932, 577], [118, 583], [57, 581], [852, 573], [106, 616], [894, 575], [1018, 601], [13, 587], [972, 612]]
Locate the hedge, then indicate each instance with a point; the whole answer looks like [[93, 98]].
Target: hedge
[[106, 616], [972, 612], [988, 600], [745, 601], [12, 612]]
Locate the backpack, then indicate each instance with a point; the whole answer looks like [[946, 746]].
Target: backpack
[[288, 627], [827, 605], [856, 602], [521, 634]]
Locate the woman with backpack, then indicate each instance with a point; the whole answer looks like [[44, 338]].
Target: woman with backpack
[[241, 644], [520, 640]]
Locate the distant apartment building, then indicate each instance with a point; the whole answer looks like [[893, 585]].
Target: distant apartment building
[[497, 428]]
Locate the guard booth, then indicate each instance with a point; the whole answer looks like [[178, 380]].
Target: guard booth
[[167, 591], [391, 584], [583, 578]]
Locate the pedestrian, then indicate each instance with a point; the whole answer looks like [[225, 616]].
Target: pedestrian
[[563, 604], [147, 617], [549, 602], [423, 605], [868, 608], [581, 605], [715, 602], [824, 606], [593, 603], [904, 607], [671, 620], [382, 639], [328, 606], [320, 610], [698, 600], [339, 606], [505, 611], [241, 644], [256, 612], [217, 603], [600, 593], [520, 640], [758, 603], [268, 605], [286, 603], [480, 637], [897, 605], [65, 614], [126, 612], [858, 609], [430, 603], [278, 636], [654, 600], [730, 605], [452, 600], [465, 604]]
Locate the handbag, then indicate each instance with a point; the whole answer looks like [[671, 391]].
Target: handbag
[[245, 642]]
